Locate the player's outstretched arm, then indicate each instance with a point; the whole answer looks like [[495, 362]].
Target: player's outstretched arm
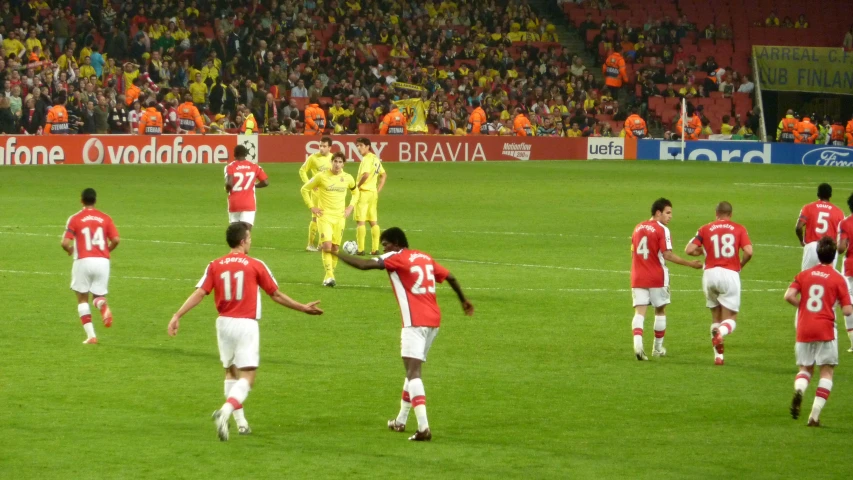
[[791, 297], [194, 299], [467, 306], [310, 308], [671, 257], [747, 255], [359, 263]]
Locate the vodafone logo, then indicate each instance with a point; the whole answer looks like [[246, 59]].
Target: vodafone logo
[[157, 150], [13, 154], [98, 147]]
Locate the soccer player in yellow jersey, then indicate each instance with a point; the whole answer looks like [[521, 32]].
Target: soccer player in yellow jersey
[[328, 205], [315, 164], [369, 172]]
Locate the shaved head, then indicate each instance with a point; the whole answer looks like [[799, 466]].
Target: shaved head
[[724, 209]]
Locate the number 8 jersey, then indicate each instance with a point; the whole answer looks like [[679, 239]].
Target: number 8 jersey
[[413, 276], [242, 195], [722, 241], [648, 268], [90, 229]]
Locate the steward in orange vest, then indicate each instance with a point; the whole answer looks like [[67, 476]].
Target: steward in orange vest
[[394, 123], [787, 128], [635, 126], [806, 131], [614, 69], [836, 134], [57, 118], [521, 125], [315, 117], [189, 119], [151, 120], [477, 120]]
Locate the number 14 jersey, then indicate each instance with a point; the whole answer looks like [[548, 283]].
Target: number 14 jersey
[[722, 241], [90, 229], [413, 276]]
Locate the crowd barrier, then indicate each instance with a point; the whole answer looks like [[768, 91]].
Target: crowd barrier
[[195, 149]]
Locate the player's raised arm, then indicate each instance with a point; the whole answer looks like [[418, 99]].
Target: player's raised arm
[[194, 299], [359, 263], [467, 306], [310, 308]]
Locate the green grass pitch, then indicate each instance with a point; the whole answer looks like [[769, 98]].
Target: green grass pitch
[[540, 383]]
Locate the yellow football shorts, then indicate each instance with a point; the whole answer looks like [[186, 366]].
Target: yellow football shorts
[[365, 209], [331, 229]]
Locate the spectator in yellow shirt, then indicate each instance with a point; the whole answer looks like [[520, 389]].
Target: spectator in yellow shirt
[[574, 132], [32, 41], [687, 91], [725, 128], [87, 70], [13, 46], [131, 73], [772, 20], [801, 22], [198, 89], [209, 71]]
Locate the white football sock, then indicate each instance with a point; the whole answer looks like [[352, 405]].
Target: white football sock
[[416, 391], [405, 404], [637, 326], [848, 321], [727, 327], [660, 330], [824, 386], [239, 415], [801, 383], [85, 314], [236, 396]]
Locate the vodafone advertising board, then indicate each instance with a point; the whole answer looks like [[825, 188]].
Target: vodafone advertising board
[[428, 148]]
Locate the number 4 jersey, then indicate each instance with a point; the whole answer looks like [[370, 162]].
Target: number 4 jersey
[[648, 267], [242, 195], [90, 229], [236, 280], [722, 241], [413, 276]]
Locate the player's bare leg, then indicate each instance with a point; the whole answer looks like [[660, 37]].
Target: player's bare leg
[[374, 238], [360, 237], [328, 265], [418, 395], [824, 387], [801, 383], [236, 396], [85, 314], [312, 235], [637, 328], [399, 424], [100, 302], [231, 377], [660, 331]]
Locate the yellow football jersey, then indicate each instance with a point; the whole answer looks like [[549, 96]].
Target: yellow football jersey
[[372, 166], [316, 163], [331, 192]]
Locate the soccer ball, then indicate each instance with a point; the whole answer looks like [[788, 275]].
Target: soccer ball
[[350, 247]]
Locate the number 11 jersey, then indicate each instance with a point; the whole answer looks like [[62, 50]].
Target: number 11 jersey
[[241, 198], [722, 241], [236, 281]]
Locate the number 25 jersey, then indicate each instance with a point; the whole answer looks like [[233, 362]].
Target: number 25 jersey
[[722, 241], [413, 276]]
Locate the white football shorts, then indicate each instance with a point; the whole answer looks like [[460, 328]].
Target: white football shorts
[[816, 353], [721, 287], [239, 342], [849, 288], [245, 217], [416, 341], [810, 257], [90, 275], [656, 297]]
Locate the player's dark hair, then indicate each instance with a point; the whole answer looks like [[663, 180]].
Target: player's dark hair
[[850, 202], [236, 233], [396, 236], [826, 250], [724, 208], [89, 197], [824, 191], [240, 152], [659, 205], [363, 140], [339, 155], [327, 140]]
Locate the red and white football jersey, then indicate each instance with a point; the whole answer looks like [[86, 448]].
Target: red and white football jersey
[[822, 219], [90, 229], [648, 267], [236, 281], [413, 276], [722, 241], [845, 231], [821, 288], [242, 195]]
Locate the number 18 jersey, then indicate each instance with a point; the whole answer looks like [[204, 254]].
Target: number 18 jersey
[[722, 241], [242, 195], [413, 276], [90, 229], [236, 281], [648, 267]]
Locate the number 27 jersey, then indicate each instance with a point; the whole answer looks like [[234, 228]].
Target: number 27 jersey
[[242, 195], [413, 276], [722, 241], [648, 267]]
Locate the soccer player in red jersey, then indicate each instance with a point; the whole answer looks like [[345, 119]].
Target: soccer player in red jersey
[[816, 220], [651, 248], [819, 289], [721, 241], [242, 177], [236, 280], [845, 233], [413, 276], [90, 236]]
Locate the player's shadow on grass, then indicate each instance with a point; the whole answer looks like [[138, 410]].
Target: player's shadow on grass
[[212, 356]]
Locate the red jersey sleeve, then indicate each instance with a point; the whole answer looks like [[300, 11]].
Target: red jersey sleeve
[[843, 291], [699, 238], [804, 213], [796, 284], [392, 262], [265, 279], [70, 229], [111, 231], [261, 174], [744, 238], [440, 272], [206, 282]]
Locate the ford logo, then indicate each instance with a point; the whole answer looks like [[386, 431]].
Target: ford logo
[[828, 157]]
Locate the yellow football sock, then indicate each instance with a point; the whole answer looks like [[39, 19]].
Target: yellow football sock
[[327, 264], [312, 232], [334, 263], [374, 236], [360, 235]]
